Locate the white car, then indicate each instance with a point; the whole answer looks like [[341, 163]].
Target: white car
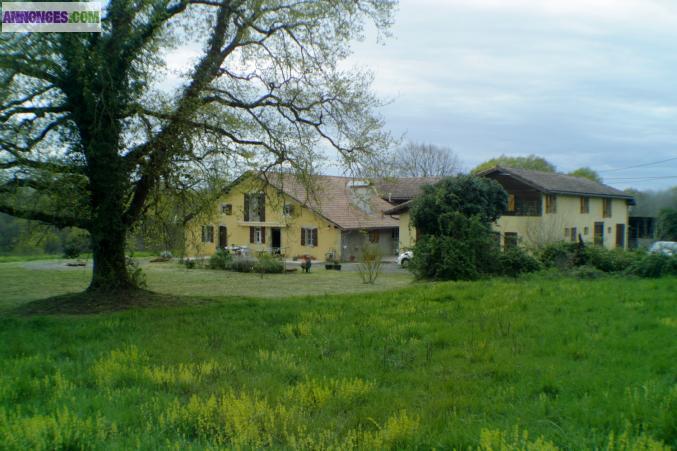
[[668, 248], [405, 258]]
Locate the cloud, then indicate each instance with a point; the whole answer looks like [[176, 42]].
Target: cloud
[[579, 82]]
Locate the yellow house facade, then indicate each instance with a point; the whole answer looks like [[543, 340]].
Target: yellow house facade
[[547, 207], [281, 215]]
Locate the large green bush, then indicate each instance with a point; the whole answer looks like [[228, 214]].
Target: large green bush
[[454, 219], [467, 253]]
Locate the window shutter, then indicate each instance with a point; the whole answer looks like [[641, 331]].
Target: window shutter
[[314, 237], [263, 235], [262, 207], [204, 234], [251, 234], [303, 237], [246, 207]]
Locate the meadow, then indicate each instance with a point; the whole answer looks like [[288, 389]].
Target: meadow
[[539, 362]]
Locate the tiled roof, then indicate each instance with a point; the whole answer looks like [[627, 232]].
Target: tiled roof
[[555, 183], [337, 200], [403, 188]]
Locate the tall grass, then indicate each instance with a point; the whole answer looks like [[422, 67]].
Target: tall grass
[[504, 364]]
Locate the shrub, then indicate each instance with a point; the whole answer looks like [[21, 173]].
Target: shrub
[[222, 259], [267, 264], [561, 255], [136, 274], [606, 260], [654, 265], [515, 261], [190, 263], [370, 263], [75, 243], [243, 264]]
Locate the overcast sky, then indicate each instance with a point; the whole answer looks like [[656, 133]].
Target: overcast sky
[[581, 83]]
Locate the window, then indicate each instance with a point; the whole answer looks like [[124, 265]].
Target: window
[[255, 207], [374, 236], [395, 235], [227, 209], [599, 234], [567, 232], [550, 203], [586, 230], [574, 234], [606, 208], [309, 237], [585, 204], [511, 203], [207, 234], [257, 235], [510, 240], [288, 209]]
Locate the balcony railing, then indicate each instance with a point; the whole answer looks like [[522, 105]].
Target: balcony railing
[[525, 208]]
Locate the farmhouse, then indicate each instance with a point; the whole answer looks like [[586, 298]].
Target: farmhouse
[[336, 216], [281, 214], [545, 207]]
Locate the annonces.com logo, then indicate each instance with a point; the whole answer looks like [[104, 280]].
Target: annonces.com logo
[[78, 17]]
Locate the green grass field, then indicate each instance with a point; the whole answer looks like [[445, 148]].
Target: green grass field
[[534, 363]]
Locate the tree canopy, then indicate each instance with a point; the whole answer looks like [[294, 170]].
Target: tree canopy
[[667, 224], [587, 173], [87, 134], [425, 160], [466, 194], [532, 162]]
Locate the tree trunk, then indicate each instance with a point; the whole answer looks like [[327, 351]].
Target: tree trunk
[[110, 266], [108, 184]]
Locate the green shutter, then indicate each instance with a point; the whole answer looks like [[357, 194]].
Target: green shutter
[[303, 237], [246, 207]]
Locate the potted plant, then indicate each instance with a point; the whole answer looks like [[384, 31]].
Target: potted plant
[[331, 262]]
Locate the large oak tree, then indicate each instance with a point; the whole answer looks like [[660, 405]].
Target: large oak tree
[[87, 134]]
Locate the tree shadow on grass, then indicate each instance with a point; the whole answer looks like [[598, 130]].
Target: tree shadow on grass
[[88, 302]]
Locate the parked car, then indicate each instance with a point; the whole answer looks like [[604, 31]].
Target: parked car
[[668, 248], [405, 258]]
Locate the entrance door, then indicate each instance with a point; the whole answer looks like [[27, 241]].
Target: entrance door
[[223, 237], [276, 240], [599, 233], [620, 235]]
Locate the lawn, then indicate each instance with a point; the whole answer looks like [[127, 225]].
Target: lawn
[[501, 364], [31, 280]]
